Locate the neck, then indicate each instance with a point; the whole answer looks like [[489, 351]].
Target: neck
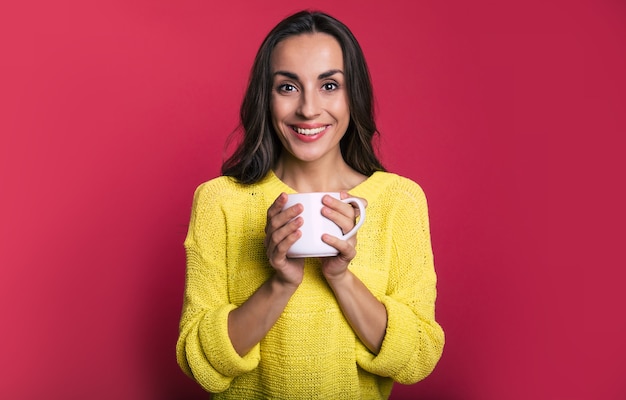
[[318, 177]]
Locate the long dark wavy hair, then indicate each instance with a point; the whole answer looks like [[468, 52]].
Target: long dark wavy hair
[[260, 148]]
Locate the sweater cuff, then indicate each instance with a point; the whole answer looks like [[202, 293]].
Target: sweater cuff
[[219, 348], [398, 345]]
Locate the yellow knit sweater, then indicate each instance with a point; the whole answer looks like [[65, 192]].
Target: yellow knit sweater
[[311, 352]]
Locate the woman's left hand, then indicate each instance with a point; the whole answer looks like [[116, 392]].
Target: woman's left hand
[[365, 313], [344, 215]]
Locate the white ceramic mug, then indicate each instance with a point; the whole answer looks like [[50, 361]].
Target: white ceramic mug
[[315, 225]]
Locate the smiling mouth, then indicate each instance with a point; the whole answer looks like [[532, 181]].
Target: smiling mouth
[[309, 132]]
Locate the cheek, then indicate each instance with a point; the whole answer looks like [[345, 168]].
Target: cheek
[[279, 109], [341, 100], [277, 116], [341, 109]]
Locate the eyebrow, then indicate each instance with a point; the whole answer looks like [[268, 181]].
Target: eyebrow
[[323, 75]]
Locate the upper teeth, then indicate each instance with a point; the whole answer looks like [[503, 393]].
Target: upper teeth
[[309, 132]]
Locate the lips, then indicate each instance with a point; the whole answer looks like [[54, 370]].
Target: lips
[[309, 131]]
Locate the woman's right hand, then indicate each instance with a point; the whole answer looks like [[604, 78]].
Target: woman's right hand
[[282, 231]]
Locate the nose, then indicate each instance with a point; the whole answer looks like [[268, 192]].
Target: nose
[[309, 106]]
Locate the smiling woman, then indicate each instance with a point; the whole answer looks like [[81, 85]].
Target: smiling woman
[[258, 324], [261, 147]]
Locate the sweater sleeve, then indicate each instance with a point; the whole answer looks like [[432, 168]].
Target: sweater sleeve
[[204, 350], [414, 341]]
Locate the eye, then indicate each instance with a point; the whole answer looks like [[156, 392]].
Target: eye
[[286, 88], [330, 86]]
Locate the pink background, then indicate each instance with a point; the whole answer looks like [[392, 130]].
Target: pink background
[[511, 117]]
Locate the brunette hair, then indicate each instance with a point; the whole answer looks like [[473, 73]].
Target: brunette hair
[[260, 147]]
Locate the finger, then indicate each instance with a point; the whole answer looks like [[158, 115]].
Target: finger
[[281, 239], [345, 195], [338, 206], [346, 248], [355, 206], [281, 242], [277, 216], [345, 223], [342, 214], [280, 251], [277, 206]]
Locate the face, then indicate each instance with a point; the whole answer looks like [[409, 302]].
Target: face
[[309, 105]]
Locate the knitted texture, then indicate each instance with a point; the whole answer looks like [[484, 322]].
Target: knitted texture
[[311, 352]]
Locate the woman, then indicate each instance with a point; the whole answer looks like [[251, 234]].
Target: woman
[[257, 324]]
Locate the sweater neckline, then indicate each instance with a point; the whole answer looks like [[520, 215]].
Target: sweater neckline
[[367, 189]]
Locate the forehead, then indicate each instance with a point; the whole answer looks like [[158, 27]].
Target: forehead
[[313, 52]]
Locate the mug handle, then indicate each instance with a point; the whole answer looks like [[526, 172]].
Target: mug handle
[[361, 206]]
